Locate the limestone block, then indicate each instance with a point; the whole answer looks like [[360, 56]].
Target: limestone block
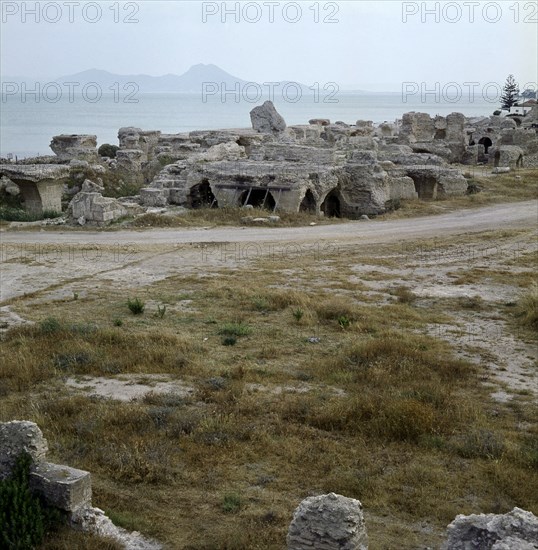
[[61, 486]]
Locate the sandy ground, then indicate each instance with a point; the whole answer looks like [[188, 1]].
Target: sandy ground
[[44, 266]]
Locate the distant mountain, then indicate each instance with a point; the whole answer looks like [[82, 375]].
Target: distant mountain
[[190, 82]]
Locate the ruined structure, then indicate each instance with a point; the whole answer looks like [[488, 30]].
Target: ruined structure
[[328, 169], [336, 522], [41, 185], [62, 487], [330, 522], [75, 146], [89, 206], [334, 169]]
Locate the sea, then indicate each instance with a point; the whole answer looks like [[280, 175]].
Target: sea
[[28, 123]]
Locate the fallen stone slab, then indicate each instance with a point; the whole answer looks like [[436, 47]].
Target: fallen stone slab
[[61, 486]]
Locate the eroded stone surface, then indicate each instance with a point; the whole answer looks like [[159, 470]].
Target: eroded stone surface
[[16, 437], [266, 119], [61, 486], [516, 530], [328, 522]]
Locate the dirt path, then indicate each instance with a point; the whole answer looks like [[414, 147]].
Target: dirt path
[[55, 264], [480, 219]]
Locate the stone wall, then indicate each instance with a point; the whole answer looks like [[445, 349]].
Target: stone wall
[[62, 487]]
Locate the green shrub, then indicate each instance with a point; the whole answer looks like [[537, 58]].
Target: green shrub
[[10, 214], [229, 341], [235, 329], [344, 321], [24, 520], [231, 503], [50, 325], [136, 306], [107, 150], [298, 314]]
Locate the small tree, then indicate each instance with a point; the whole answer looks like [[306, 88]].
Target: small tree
[[107, 150], [22, 522], [24, 519], [510, 93]]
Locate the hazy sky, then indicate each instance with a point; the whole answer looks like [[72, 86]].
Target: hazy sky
[[367, 46]]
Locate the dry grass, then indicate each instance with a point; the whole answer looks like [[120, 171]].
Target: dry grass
[[528, 307], [227, 216], [384, 413]]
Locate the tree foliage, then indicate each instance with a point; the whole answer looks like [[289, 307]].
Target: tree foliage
[[24, 520], [107, 150], [510, 93]]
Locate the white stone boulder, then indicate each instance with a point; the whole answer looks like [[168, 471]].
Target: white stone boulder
[[516, 530], [328, 522]]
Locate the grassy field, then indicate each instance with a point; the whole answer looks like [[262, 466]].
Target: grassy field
[[305, 381]]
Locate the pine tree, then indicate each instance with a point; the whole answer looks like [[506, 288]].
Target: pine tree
[[24, 520], [510, 93]]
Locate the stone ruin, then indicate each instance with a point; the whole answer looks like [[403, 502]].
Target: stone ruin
[[328, 522], [324, 522], [334, 522], [516, 530], [61, 487], [328, 169], [331, 169], [75, 146], [40, 185], [89, 206]]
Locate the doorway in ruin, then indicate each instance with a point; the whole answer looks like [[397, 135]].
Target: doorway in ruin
[[331, 205], [497, 159], [486, 142], [308, 204], [258, 198], [519, 162], [201, 196], [425, 186]]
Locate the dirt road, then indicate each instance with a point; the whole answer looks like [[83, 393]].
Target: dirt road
[[521, 214], [57, 263]]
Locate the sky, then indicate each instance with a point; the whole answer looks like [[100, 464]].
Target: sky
[[368, 45]]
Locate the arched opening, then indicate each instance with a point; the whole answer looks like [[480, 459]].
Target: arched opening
[[331, 205], [425, 185], [497, 159], [308, 204], [486, 142], [258, 198], [440, 134], [201, 196]]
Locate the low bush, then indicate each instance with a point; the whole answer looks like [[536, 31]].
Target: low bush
[[136, 306]]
